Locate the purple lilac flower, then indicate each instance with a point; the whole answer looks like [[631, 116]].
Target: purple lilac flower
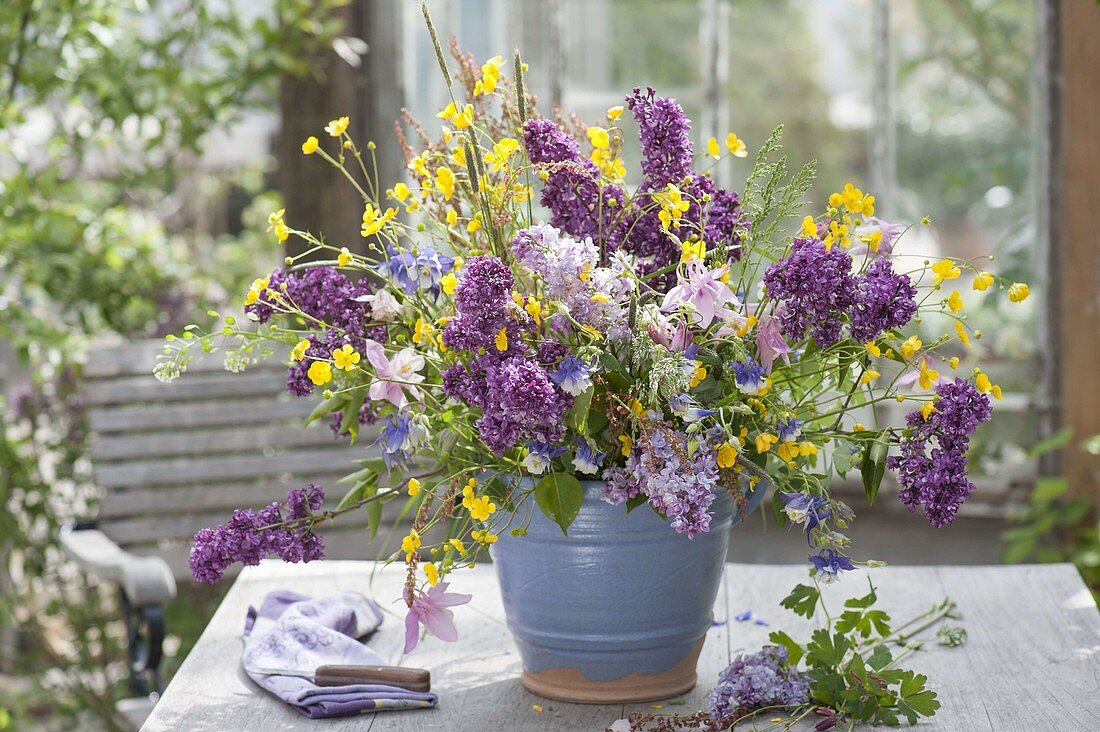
[[249, 536], [622, 482], [749, 376], [762, 679], [482, 297], [578, 204], [682, 492], [816, 289], [521, 402], [828, 564], [572, 376], [932, 465], [540, 455], [665, 133], [884, 300]]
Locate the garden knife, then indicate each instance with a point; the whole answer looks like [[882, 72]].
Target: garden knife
[[412, 679]]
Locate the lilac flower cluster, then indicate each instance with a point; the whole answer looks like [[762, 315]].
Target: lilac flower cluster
[[932, 465], [761, 679], [682, 491], [578, 204], [815, 286], [569, 269], [249, 536], [482, 297], [665, 134], [884, 299]]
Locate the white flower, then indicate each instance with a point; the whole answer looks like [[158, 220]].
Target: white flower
[[383, 305], [536, 463]]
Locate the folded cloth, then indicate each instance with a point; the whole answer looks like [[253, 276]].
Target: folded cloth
[[291, 635]]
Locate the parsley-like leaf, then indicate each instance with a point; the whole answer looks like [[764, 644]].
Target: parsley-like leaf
[[802, 600]]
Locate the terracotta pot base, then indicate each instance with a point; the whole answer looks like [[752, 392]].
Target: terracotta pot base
[[570, 685]]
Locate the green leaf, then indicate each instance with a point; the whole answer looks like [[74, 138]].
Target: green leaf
[[634, 502], [357, 493], [880, 658], [1054, 442], [794, 650], [609, 362], [863, 602], [327, 407], [914, 699], [577, 417], [802, 600], [825, 650], [559, 496], [374, 517], [874, 467]]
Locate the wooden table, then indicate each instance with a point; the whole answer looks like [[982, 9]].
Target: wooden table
[[1032, 660]]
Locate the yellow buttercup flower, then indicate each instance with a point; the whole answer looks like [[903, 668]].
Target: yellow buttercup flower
[[346, 357], [1018, 292], [806, 449], [422, 331], [536, 309], [690, 250], [482, 508], [873, 349], [868, 376], [414, 486], [445, 181], [401, 192], [637, 408], [599, 137], [310, 145], [961, 331], [320, 373], [953, 362], [484, 537], [474, 225], [736, 146], [984, 385], [338, 126], [299, 351], [945, 269], [927, 409], [697, 375], [449, 282], [502, 339], [490, 74], [626, 444], [615, 112], [458, 546], [809, 226], [983, 280], [727, 455], [344, 257], [764, 442], [502, 151], [374, 219], [275, 223], [712, 148], [410, 544], [259, 285], [927, 376], [787, 451], [911, 345], [432, 573], [872, 240], [452, 217], [419, 164], [955, 302], [750, 323], [858, 427]]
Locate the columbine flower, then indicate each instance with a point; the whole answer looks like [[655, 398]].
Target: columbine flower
[[788, 429], [702, 289], [587, 460], [401, 435], [539, 455], [876, 236], [770, 343], [383, 305], [572, 376], [394, 376], [684, 408], [803, 508], [749, 376], [828, 564], [430, 609]]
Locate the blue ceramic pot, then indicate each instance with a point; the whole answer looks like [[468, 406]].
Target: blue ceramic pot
[[617, 611]]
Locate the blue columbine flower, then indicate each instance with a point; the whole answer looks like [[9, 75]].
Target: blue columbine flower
[[789, 429], [802, 508], [539, 455], [749, 376], [683, 407], [431, 266], [828, 565], [572, 376], [587, 460], [400, 435], [421, 271]]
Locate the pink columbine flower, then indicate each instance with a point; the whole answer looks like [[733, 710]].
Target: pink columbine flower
[[394, 376], [910, 378], [701, 288], [430, 609], [886, 231], [677, 339], [770, 343]]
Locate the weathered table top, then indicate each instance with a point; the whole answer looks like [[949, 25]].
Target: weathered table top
[[1032, 660]]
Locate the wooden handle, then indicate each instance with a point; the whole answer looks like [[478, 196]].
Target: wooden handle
[[413, 679]]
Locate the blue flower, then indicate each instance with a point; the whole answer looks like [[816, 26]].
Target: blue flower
[[828, 565], [587, 460], [749, 376], [802, 508], [539, 455], [682, 406], [572, 376], [421, 271], [400, 435], [431, 266], [789, 429]]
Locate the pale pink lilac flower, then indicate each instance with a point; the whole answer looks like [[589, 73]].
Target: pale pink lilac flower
[[430, 609]]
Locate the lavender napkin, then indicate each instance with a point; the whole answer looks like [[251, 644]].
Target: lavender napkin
[[292, 634]]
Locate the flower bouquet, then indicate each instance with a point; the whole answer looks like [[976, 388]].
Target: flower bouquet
[[539, 348]]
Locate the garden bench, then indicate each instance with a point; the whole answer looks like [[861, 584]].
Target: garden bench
[[173, 458]]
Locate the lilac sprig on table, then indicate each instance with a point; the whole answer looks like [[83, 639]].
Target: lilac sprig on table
[[845, 673]]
